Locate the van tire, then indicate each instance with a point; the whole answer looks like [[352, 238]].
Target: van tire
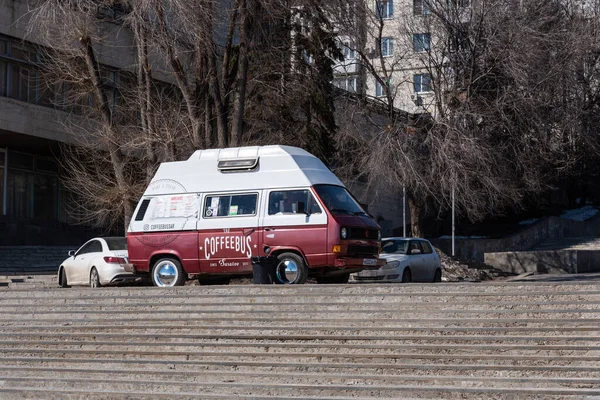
[[437, 277], [169, 267], [333, 279], [406, 275], [286, 260]]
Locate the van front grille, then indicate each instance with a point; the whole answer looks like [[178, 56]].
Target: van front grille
[[363, 250], [363, 233]]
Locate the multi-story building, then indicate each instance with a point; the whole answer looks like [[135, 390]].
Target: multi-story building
[[389, 52], [34, 202]]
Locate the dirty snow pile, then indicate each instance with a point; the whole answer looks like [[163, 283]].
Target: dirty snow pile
[[455, 270], [580, 214]]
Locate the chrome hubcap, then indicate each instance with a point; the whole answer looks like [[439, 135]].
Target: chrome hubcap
[[287, 271], [165, 274]]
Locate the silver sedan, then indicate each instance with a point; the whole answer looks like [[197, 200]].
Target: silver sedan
[[408, 260]]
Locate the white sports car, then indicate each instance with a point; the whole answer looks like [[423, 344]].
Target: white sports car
[[408, 260], [98, 262]]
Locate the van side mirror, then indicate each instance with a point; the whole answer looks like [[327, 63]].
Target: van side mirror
[[302, 208], [71, 253]]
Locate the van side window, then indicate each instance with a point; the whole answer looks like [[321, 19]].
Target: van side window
[[230, 205], [286, 202], [142, 211]]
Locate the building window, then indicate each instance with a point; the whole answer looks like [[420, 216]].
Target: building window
[[422, 83], [459, 3], [346, 83], [349, 52], [3, 79], [2, 175], [387, 46], [19, 78], [421, 42], [31, 192], [421, 7], [379, 88], [384, 9]]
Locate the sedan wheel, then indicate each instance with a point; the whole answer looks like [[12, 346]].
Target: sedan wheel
[[406, 276], [62, 279], [94, 279]]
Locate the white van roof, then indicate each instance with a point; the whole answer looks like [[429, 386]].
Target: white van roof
[[278, 167]]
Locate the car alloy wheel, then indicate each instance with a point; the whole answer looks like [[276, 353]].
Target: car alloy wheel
[[94, 279]]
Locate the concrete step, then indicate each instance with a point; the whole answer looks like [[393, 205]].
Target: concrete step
[[411, 366], [569, 243], [495, 341], [298, 385]]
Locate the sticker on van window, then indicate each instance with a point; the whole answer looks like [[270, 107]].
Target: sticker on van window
[[177, 206], [233, 210]]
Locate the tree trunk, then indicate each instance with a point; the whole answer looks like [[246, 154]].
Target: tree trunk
[[237, 128], [116, 156], [415, 217]]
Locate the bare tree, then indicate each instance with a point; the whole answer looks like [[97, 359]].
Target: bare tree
[[492, 128]]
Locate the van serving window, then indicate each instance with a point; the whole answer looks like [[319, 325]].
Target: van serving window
[[230, 205], [237, 165]]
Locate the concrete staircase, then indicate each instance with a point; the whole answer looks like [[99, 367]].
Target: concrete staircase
[[505, 340], [32, 260], [570, 243], [571, 255]]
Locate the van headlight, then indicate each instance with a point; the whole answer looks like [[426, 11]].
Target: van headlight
[[344, 233]]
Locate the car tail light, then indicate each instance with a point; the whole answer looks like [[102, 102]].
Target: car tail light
[[114, 260]]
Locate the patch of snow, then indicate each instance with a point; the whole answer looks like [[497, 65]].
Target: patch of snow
[[580, 214], [463, 237], [529, 221]]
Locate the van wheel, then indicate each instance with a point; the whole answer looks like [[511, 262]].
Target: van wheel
[[437, 277], [62, 278], [333, 279], [406, 276], [291, 269], [167, 272]]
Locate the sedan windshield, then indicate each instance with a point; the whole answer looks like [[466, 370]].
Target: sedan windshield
[[116, 243], [394, 247], [338, 200]]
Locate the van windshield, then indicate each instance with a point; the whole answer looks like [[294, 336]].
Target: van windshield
[[338, 200]]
